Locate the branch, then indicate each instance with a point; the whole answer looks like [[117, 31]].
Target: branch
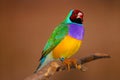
[[56, 66]]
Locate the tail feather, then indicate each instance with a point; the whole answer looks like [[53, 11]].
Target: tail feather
[[44, 61], [38, 68], [41, 64]]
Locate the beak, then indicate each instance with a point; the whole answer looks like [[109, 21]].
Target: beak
[[80, 16]]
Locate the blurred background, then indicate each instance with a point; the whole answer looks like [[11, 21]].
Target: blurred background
[[25, 26]]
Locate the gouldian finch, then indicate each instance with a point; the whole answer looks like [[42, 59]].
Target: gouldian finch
[[65, 40]]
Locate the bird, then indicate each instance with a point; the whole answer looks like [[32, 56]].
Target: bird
[[65, 40]]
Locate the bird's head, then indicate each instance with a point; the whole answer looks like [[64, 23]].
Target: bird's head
[[75, 16]]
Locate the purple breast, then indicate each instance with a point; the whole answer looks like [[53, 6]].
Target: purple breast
[[76, 31]]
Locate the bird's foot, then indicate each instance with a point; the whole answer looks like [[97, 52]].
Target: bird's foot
[[83, 68], [71, 61]]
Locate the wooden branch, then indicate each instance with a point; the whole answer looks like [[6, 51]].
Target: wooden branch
[[56, 66]]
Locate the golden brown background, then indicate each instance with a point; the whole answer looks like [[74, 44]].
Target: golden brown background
[[25, 26]]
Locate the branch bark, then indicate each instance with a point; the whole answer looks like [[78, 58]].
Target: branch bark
[[56, 66]]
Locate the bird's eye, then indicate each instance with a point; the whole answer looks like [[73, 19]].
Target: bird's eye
[[75, 14]]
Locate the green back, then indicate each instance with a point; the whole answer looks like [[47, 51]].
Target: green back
[[58, 34]]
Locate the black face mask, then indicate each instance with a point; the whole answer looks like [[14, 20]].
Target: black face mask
[[77, 20]]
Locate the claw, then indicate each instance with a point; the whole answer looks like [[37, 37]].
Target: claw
[[83, 68], [68, 63], [71, 61]]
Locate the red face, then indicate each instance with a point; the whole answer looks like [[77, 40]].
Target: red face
[[77, 16]]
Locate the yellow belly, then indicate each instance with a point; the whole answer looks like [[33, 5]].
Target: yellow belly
[[66, 48]]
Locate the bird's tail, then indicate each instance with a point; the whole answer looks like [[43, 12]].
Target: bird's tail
[[44, 61], [38, 68]]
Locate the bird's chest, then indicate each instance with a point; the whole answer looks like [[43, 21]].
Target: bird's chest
[[76, 31], [67, 47]]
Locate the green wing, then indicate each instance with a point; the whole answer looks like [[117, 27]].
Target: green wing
[[58, 34]]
